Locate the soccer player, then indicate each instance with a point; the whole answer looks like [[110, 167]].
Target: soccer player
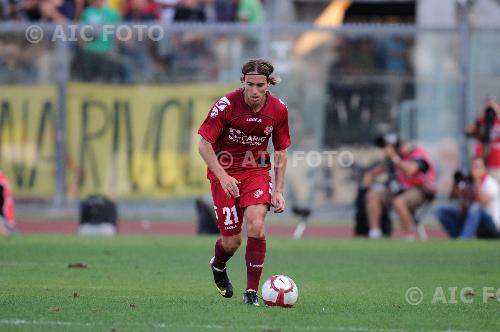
[[234, 139]]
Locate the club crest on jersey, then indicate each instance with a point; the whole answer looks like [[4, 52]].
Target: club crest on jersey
[[214, 113], [219, 107], [268, 130], [258, 193]]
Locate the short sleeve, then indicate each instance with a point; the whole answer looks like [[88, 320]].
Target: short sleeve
[[213, 126], [281, 134]]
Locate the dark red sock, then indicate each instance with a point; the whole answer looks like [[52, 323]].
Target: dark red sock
[[254, 257], [221, 256]]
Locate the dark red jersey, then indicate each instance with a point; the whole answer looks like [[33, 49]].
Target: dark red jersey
[[240, 136]]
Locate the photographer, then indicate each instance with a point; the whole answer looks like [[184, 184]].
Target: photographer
[[478, 210], [486, 131], [411, 183]]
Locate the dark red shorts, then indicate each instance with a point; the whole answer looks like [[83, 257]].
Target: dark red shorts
[[254, 189]]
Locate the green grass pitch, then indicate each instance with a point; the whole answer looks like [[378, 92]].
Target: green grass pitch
[[164, 283]]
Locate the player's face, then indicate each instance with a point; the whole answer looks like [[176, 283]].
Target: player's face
[[255, 89]]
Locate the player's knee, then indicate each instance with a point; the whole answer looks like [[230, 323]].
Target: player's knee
[[232, 244], [255, 227]]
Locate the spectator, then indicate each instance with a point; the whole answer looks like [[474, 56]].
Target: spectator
[[136, 52], [60, 11], [189, 11], [167, 10], [96, 60], [141, 10], [117, 5], [251, 11], [31, 11], [10, 9], [225, 10], [486, 131], [479, 211], [411, 184], [99, 14]]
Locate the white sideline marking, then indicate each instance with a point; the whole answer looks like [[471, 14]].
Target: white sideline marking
[[42, 322], [17, 322]]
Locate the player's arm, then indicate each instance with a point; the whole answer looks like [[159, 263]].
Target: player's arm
[[280, 160], [228, 183]]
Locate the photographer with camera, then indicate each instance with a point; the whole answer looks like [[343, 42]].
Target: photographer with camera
[[486, 130], [411, 183], [478, 210]]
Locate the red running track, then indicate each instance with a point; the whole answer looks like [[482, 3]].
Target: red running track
[[186, 228]]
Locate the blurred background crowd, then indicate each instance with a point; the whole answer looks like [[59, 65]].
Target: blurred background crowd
[[164, 11], [139, 61]]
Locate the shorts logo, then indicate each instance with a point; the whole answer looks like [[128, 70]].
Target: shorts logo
[[258, 193], [268, 130]]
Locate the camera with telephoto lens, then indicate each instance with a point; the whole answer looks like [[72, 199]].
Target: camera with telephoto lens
[[489, 118], [484, 131], [490, 115], [390, 139], [462, 177]]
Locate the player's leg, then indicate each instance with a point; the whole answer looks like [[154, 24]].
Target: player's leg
[[256, 249], [255, 199], [229, 224], [225, 247]]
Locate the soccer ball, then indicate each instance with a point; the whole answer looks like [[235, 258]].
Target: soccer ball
[[280, 291]]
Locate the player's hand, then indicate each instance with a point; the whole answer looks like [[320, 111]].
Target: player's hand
[[230, 186], [278, 202]]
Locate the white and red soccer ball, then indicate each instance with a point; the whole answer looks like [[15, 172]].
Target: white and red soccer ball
[[280, 291]]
